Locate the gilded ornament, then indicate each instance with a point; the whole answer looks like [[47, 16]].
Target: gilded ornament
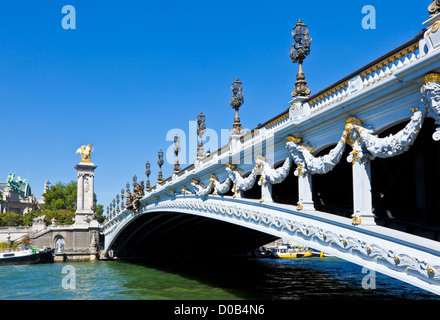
[[300, 206], [435, 26], [432, 77], [357, 220], [396, 259], [232, 166], [292, 138], [354, 120], [431, 271], [85, 152]]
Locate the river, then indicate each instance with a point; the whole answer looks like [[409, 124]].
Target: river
[[229, 279]]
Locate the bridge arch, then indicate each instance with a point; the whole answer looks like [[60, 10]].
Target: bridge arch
[[177, 233]]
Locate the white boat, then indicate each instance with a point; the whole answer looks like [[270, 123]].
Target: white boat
[[27, 256]]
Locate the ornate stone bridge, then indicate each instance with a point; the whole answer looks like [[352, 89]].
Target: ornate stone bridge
[[353, 171]]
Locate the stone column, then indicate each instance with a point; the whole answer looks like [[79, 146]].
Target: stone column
[[305, 201], [85, 210], [266, 190], [362, 200]]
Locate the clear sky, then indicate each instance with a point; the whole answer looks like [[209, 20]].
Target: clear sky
[[133, 70]]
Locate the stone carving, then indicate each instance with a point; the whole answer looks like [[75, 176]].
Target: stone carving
[[274, 176], [392, 145], [39, 220], [200, 190], [434, 8], [220, 187], [431, 100], [241, 184], [60, 244], [307, 163]]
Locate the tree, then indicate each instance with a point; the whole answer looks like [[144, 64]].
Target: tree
[[61, 197], [9, 219]]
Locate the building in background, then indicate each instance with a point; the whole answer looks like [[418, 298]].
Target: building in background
[[16, 196]]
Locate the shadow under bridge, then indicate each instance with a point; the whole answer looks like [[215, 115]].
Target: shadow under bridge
[[172, 234]]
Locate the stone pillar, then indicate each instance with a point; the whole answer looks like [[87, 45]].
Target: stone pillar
[[305, 201], [85, 210], [266, 190], [362, 200]]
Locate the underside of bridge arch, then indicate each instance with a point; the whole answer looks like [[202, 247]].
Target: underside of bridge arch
[[406, 188], [171, 235], [333, 192]]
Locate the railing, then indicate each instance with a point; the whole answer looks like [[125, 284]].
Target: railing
[[375, 72]]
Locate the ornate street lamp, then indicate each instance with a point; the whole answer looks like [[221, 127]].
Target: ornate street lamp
[[108, 212], [236, 101], [147, 172], [201, 128], [160, 163], [127, 190], [176, 152], [114, 205], [117, 203], [122, 199], [134, 182], [299, 51]]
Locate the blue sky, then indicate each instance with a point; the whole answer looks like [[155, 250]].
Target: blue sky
[[133, 70]]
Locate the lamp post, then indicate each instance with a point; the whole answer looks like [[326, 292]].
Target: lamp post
[[299, 51], [201, 128], [122, 199], [134, 182], [176, 152], [236, 101], [160, 163], [127, 187], [147, 172], [117, 203]]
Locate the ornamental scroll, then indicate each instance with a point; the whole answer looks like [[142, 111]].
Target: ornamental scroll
[[431, 100], [240, 183], [307, 163], [271, 175]]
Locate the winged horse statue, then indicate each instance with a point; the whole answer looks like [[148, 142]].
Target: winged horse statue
[[85, 152]]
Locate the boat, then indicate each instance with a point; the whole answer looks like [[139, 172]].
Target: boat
[[27, 256], [290, 253]]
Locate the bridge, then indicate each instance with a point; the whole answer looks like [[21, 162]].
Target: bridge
[[352, 171]]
